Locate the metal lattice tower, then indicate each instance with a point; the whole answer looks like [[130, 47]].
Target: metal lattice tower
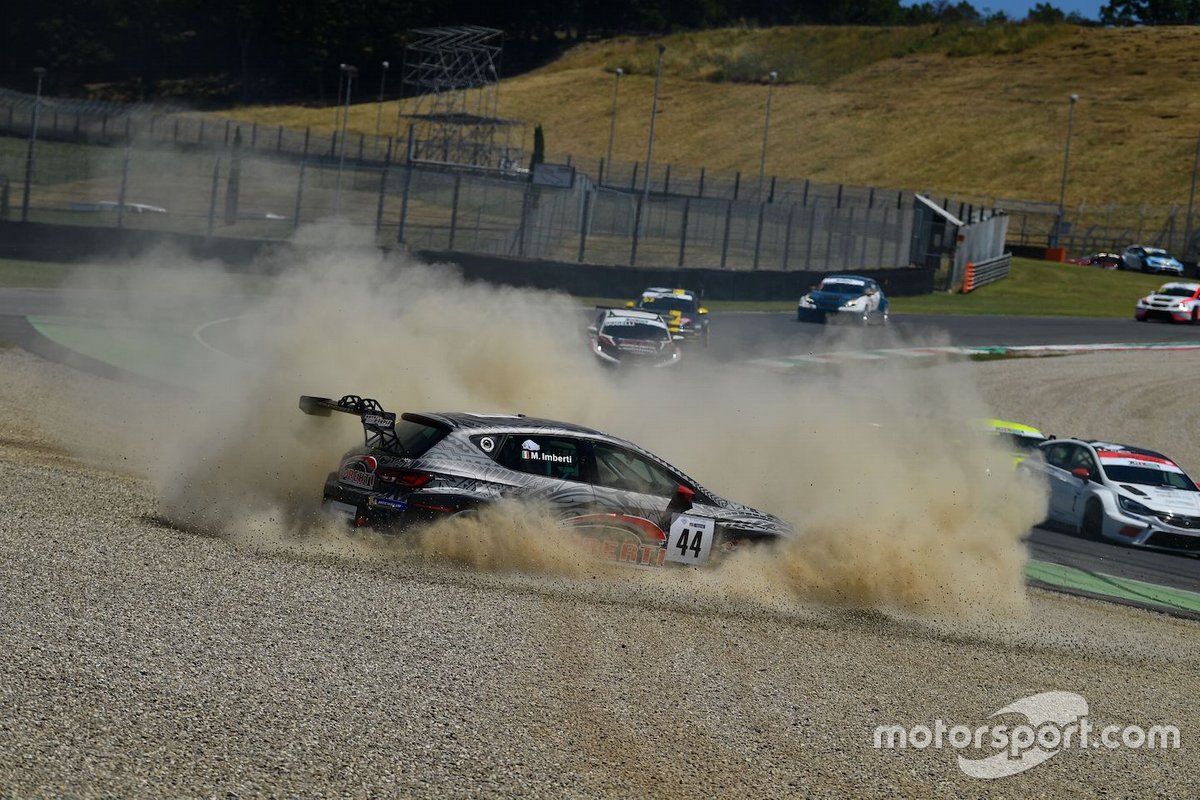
[[451, 83]]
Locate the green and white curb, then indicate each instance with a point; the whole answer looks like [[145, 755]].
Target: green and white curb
[[786, 363], [1152, 595]]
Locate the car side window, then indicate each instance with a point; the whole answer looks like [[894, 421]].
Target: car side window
[[548, 456], [1057, 455], [1082, 458], [618, 468]]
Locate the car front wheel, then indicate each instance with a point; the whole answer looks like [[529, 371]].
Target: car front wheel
[[1093, 521]]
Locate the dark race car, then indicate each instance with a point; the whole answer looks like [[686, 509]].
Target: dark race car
[[636, 508], [620, 337]]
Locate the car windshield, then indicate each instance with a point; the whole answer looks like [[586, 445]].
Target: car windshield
[[1148, 476], [842, 287], [1150, 251], [666, 304], [636, 330], [1016, 441], [1176, 291]]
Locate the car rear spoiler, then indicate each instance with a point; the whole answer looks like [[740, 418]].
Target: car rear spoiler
[[379, 426]]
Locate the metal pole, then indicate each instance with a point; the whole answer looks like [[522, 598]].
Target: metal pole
[[762, 163], [29, 159], [1188, 250], [612, 125], [337, 107], [1062, 192], [379, 107], [350, 72], [650, 147]]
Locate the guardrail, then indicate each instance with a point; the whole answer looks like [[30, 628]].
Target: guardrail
[[985, 272]]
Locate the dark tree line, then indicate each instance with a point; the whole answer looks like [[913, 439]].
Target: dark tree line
[[256, 50]]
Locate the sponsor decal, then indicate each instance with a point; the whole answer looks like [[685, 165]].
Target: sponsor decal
[[487, 444], [378, 421], [530, 444], [554, 458], [625, 552], [1128, 458], [690, 540], [356, 477], [388, 502]]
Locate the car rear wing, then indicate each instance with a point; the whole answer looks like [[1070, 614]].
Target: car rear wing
[[379, 426]]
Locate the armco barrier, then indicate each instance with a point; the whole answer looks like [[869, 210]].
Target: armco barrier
[[986, 272], [70, 243]]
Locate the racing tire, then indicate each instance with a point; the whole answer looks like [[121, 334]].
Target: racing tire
[[1091, 526], [1196, 315]]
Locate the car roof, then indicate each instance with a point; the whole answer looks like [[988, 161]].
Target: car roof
[[630, 313], [1110, 447], [1191, 287], [662, 291], [466, 420], [848, 279], [1015, 428]]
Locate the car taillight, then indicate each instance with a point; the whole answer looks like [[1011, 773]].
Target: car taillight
[[410, 479]]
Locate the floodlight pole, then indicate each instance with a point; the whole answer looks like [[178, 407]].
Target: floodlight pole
[[1062, 192], [350, 73], [762, 164], [612, 125], [653, 118], [29, 156]]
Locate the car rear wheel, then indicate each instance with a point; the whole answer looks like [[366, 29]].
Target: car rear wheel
[[1093, 521], [1195, 315]]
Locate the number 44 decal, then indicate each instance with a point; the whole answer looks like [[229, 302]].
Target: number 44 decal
[[690, 540]]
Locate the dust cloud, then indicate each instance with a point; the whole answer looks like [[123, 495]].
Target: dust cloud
[[898, 501]]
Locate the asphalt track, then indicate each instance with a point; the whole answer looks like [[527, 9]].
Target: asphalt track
[[738, 336]]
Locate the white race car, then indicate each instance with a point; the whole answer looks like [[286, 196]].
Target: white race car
[[1174, 302], [1118, 492], [849, 296]]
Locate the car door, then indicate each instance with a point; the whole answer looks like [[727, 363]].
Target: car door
[[1058, 479], [555, 470], [1077, 489]]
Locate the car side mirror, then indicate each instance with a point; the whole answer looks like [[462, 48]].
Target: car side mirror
[[684, 498], [1082, 472], [630, 304], [702, 311]]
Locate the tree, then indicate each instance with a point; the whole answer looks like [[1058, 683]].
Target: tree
[[1045, 13]]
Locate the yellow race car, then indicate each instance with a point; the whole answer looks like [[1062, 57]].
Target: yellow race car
[[1021, 440], [679, 308]]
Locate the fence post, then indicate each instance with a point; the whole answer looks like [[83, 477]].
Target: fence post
[[887, 212], [737, 185], [871, 198], [762, 208], [637, 229], [728, 223], [123, 192], [584, 221], [402, 233], [523, 228], [600, 172], [804, 199], [300, 181], [667, 181], [787, 236], [454, 210], [687, 206], [383, 181], [812, 232], [633, 179], [254, 136], [701, 194], [212, 200], [771, 196], [839, 195]]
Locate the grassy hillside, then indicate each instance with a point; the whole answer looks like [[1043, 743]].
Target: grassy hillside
[[974, 112]]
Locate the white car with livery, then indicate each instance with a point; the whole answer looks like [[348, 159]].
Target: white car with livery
[[844, 296], [1173, 302], [1120, 493]]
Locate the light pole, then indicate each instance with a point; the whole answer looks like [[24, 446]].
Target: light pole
[[37, 104], [1188, 250], [1062, 192], [612, 125], [351, 73], [337, 107], [379, 108], [762, 163], [653, 118]]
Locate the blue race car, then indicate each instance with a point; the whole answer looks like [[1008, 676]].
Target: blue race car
[[848, 296], [1150, 259]]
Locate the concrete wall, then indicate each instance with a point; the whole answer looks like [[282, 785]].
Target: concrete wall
[[73, 243]]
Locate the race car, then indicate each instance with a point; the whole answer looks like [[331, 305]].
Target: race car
[[844, 296], [1020, 440], [1101, 260], [621, 337], [1126, 494], [1150, 259], [680, 308], [418, 468], [1173, 302]]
